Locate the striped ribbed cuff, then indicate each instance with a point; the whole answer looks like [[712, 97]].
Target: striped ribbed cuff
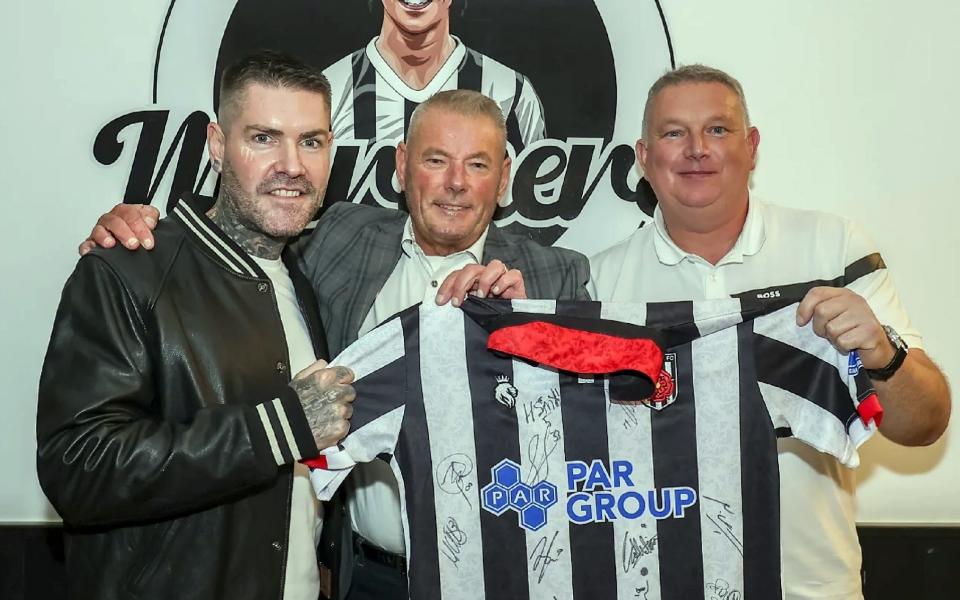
[[288, 433]]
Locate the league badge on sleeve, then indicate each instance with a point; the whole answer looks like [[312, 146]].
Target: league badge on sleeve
[[505, 392]]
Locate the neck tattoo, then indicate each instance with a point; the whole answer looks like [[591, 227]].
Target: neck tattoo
[[254, 243]]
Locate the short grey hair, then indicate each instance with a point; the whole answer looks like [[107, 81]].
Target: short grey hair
[[461, 102], [694, 74]]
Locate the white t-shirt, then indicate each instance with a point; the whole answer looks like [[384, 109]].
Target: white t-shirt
[[302, 577], [778, 246], [373, 497]]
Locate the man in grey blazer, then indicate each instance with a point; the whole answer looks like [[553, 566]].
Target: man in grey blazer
[[367, 263], [355, 249]]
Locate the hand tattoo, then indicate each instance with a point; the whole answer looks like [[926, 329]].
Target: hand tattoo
[[326, 403]]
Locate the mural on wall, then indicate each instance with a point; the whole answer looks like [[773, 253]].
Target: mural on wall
[[570, 75]]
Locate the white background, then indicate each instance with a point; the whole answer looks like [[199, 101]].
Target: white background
[[856, 102]]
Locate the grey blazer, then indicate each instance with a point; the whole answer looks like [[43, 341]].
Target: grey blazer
[[353, 250]]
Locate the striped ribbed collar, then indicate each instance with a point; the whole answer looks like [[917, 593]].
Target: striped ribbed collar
[[209, 235]]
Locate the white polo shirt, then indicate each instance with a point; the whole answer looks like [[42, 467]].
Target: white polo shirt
[[777, 246], [373, 497]]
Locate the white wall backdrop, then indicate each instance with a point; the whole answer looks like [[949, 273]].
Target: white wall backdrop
[[855, 100]]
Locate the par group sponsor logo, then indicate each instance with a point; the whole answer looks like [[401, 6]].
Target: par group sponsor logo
[[596, 492]]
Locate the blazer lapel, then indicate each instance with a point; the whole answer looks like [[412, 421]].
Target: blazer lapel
[[378, 251], [497, 247]]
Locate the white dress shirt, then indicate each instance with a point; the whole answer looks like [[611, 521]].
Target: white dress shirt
[[373, 497]]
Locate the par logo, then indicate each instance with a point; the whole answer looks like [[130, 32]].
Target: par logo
[[506, 491]]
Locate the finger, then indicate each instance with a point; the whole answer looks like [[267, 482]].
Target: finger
[[855, 338], [831, 317], [118, 228], [347, 393], [805, 310], [141, 219], [101, 237], [488, 276], [316, 366], [510, 286], [86, 246], [149, 214], [457, 284], [343, 374], [338, 431], [142, 231], [332, 379], [836, 327]]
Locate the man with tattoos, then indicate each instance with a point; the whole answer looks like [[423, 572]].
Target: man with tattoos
[[368, 263], [169, 430]]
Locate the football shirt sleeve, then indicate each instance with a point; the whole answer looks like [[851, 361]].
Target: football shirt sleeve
[[820, 395], [379, 366]]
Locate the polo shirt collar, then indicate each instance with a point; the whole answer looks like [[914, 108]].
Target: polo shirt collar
[[748, 243]]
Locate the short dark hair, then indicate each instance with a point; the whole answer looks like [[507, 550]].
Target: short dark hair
[[268, 68]]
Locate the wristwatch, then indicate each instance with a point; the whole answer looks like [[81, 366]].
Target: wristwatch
[[900, 348]]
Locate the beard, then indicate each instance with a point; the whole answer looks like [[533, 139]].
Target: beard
[[256, 214]]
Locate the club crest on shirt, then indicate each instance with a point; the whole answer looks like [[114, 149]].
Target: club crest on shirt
[[505, 393], [665, 389]]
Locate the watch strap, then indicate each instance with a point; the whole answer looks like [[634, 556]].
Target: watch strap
[[900, 354]]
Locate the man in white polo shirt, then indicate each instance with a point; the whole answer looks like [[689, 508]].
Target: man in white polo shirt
[[709, 239]]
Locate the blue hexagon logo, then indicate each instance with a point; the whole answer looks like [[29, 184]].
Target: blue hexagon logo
[[506, 491], [545, 494], [533, 517], [506, 473], [521, 496], [495, 498]]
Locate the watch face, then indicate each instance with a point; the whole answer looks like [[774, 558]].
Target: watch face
[[894, 337]]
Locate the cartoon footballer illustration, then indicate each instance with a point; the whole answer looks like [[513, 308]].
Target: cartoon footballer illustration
[[376, 88]]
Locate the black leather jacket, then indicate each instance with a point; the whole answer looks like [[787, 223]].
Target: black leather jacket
[[166, 428]]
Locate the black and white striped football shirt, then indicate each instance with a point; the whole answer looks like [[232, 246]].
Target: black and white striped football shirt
[[371, 102], [525, 481]]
